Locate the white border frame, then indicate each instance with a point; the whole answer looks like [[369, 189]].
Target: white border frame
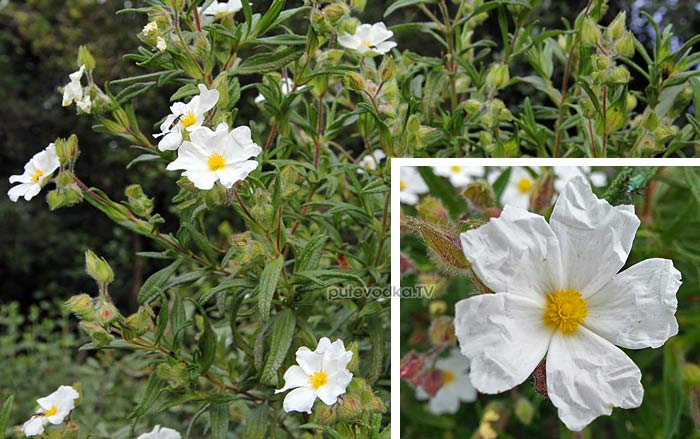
[[397, 163]]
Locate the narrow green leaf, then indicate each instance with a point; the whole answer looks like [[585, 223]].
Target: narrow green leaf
[[270, 16], [154, 284], [218, 416], [282, 334], [310, 256], [257, 422], [5, 415], [206, 347], [149, 397], [268, 284], [405, 3], [268, 62]]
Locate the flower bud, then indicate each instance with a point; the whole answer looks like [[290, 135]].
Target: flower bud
[[411, 368], [432, 381], [358, 5], [601, 62], [336, 11], [472, 106], [324, 415], [443, 243], [665, 134], [377, 405], [590, 33], [563, 42], [141, 321], [107, 313], [98, 268], [350, 408], [691, 374], [437, 307], [442, 331], [617, 27], [139, 203], [354, 81], [620, 75], [387, 69], [625, 45], [630, 102], [216, 196], [542, 193], [56, 199], [432, 210], [498, 76], [85, 58], [81, 305], [588, 108], [100, 337]]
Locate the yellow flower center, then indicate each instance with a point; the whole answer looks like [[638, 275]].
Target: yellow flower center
[[37, 175], [447, 377], [565, 310], [216, 162], [319, 379], [366, 43], [402, 185], [455, 169], [52, 411], [524, 185], [188, 119], [369, 165]]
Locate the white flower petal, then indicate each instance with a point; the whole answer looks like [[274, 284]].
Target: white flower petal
[[384, 47], [445, 401], [34, 426], [503, 336], [203, 180], [236, 172], [587, 376], [349, 41], [294, 377], [337, 384], [504, 252], [26, 190], [408, 198], [300, 399], [636, 309], [309, 361], [171, 141], [207, 99]]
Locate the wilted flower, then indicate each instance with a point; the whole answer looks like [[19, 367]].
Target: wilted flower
[[370, 39], [321, 373], [459, 176], [189, 117], [559, 296], [371, 161], [38, 169], [161, 44], [411, 185], [159, 432], [218, 10], [286, 85], [456, 387], [54, 409], [217, 155], [73, 91]]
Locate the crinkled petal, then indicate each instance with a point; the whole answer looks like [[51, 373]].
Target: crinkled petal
[[637, 308], [244, 140], [517, 253], [595, 237], [207, 98], [336, 357], [587, 376], [308, 360], [294, 377], [34, 426], [236, 172], [337, 383], [503, 336], [300, 399]]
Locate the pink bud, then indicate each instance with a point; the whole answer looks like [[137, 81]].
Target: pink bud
[[540, 377], [433, 381], [412, 366]]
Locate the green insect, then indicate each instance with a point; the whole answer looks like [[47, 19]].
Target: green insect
[[634, 184]]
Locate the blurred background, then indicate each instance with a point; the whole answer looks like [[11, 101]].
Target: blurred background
[[41, 252]]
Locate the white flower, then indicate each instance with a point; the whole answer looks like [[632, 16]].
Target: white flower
[[219, 10], [456, 387], [319, 374], [38, 169], [459, 176], [54, 409], [559, 297], [286, 85], [371, 161], [217, 155], [161, 44], [189, 116], [73, 91], [85, 104], [565, 173], [517, 191], [152, 26], [370, 39], [411, 185], [159, 432]]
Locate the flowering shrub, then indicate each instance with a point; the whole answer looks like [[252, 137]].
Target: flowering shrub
[[268, 215], [541, 300]]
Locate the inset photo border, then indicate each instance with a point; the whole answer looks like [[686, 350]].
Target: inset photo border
[[590, 264]]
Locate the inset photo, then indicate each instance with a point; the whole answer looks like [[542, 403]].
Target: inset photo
[[548, 301]]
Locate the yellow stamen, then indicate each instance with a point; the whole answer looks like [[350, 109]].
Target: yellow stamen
[[565, 310], [402, 185], [37, 175], [366, 43], [455, 169], [188, 119], [216, 162], [369, 165], [52, 411], [524, 185], [319, 379], [447, 377]]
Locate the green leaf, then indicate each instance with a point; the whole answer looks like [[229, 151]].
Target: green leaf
[[310, 256], [257, 422], [282, 334], [404, 3], [673, 389], [219, 419], [149, 397], [5, 415], [376, 338], [692, 177], [268, 62], [154, 284], [270, 16], [268, 284], [206, 347]]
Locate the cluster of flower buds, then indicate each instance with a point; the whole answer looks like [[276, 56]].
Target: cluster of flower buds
[[613, 43]]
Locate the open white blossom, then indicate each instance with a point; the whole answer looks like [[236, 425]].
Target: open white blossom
[[221, 155], [369, 39], [411, 185], [559, 296], [73, 91], [286, 85], [186, 116], [39, 168], [456, 387], [159, 432], [565, 173], [319, 374], [371, 161], [54, 409], [517, 191], [219, 10], [459, 176]]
